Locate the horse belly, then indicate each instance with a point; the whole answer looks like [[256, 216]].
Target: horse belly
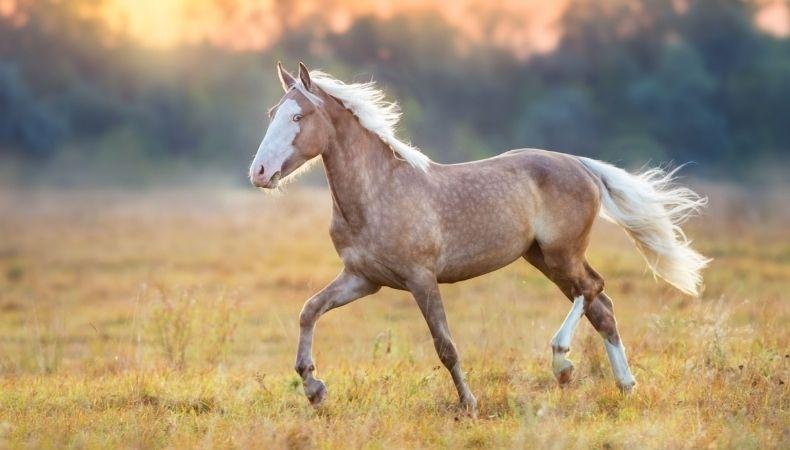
[[479, 254]]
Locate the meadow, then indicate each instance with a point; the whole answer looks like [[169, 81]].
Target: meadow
[[168, 317]]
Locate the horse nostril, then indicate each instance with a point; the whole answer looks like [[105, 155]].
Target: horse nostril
[[260, 171]]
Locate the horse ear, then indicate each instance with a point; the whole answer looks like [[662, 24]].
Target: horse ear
[[286, 78], [304, 75]]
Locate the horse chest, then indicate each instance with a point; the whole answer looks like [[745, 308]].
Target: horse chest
[[384, 255]]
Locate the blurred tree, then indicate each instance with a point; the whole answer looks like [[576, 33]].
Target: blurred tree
[[562, 119], [28, 126], [676, 105], [629, 80], [757, 99], [723, 33]]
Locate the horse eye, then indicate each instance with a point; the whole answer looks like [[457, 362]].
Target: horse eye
[[297, 117]]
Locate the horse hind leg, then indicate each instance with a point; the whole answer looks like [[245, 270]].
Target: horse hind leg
[[600, 313], [579, 283], [561, 343]]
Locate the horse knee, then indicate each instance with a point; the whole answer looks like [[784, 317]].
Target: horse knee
[[595, 281], [589, 284], [310, 312], [577, 276]]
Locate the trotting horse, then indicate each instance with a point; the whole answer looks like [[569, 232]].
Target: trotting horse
[[403, 221]]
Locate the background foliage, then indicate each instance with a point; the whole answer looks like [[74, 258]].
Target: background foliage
[[699, 84]]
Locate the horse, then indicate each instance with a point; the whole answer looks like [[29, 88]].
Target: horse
[[402, 221]]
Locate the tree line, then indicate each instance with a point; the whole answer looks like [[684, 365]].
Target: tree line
[[630, 81]]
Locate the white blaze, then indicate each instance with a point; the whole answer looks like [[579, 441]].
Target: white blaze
[[277, 145]]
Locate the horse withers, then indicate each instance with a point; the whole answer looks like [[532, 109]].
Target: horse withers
[[403, 221]]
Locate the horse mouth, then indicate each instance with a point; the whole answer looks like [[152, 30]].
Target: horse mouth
[[275, 180], [271, 183]]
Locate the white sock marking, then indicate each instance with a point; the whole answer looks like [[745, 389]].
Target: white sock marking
[[564, 335], [622, 372], [562, 339]]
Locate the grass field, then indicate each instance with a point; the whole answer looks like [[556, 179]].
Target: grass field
[[169, 318]]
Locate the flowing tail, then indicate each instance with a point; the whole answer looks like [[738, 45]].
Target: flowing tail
[[651, 209]]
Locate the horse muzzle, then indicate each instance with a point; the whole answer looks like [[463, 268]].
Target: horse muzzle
[[262, 180]]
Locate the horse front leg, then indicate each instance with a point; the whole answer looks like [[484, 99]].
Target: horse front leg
[[344, 289], [426, 292]]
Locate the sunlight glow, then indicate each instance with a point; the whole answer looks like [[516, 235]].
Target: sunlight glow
[[774, 18], [523, 27]]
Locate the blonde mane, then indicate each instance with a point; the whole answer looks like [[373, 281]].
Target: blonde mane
[[375, 113]]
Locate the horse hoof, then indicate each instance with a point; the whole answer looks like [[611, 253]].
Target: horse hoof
[[469, 406], [315, 390], [627, 387], [563, 371]]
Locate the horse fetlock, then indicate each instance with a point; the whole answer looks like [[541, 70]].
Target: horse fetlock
[[626, 385], [558, 349], [562, 367], [304, 369], [315, 390]]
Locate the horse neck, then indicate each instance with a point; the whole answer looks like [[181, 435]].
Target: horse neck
[[358, 165]]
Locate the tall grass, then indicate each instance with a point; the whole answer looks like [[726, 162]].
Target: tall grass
[[170, 319], [188, 329]]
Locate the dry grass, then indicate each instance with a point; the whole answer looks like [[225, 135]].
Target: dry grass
[[169, 319]]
